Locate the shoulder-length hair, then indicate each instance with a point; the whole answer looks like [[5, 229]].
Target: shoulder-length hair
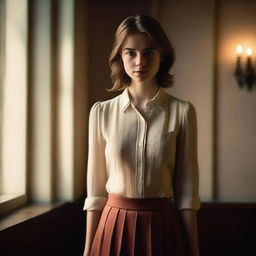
[[149, 26]]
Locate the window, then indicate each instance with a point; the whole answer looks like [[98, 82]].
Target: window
[[42, 119]]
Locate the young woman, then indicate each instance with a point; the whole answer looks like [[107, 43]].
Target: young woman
[[142, 183]]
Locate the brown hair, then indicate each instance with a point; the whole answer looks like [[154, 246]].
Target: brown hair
[[148, 25]]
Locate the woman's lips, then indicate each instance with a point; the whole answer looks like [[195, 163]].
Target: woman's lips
[[140, 72]]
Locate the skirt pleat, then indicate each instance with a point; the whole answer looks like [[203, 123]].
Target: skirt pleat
[[108, 232], [130, 231], [97, 242], [168, 242], [157, 231], [138, 227], [118, 233], [143, 234]]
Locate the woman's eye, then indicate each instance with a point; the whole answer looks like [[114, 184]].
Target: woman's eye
[[130, 54], [149, 53]]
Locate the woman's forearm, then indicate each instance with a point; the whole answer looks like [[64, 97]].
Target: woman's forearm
[[92, 221], [189, 219]]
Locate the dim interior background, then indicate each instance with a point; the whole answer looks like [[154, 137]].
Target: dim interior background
[[54, 66]]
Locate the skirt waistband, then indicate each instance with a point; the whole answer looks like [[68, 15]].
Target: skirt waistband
[[145, 204]]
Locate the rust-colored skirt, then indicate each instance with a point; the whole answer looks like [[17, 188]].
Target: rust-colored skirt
[[142, 227]]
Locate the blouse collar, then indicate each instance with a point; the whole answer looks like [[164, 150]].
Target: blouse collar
[[158, 99]]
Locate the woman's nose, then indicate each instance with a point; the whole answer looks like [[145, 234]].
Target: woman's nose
[[140, 60]]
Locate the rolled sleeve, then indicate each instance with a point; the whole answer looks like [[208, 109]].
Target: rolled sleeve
[[186, 176], [96, 166], [94, 203]]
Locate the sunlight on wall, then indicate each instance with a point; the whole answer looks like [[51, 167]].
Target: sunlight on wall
[[15, 99]]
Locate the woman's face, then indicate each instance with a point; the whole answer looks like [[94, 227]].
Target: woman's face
[[141, 58]]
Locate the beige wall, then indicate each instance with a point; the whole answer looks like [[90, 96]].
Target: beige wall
[[236, 108], [227, 166]]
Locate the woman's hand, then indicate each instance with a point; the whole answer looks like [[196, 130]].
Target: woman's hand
[[92, 221], [189, 219]]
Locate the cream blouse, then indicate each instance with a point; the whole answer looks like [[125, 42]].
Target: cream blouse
[[143, 156]]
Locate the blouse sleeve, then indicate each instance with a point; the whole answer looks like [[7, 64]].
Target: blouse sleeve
[[186, 176], [96, 166]]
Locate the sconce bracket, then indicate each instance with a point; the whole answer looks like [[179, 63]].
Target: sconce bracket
[[247, 77]]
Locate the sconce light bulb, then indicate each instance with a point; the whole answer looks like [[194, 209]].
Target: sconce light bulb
[[239, 49], [249, 51]]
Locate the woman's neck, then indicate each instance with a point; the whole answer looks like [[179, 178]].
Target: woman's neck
[[141, 93]]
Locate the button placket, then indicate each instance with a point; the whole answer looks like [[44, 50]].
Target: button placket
[[140, 149]]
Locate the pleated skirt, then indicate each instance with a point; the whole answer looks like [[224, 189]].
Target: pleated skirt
[[143, 227]]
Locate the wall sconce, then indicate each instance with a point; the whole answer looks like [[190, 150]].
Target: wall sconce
[[244, 77]]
